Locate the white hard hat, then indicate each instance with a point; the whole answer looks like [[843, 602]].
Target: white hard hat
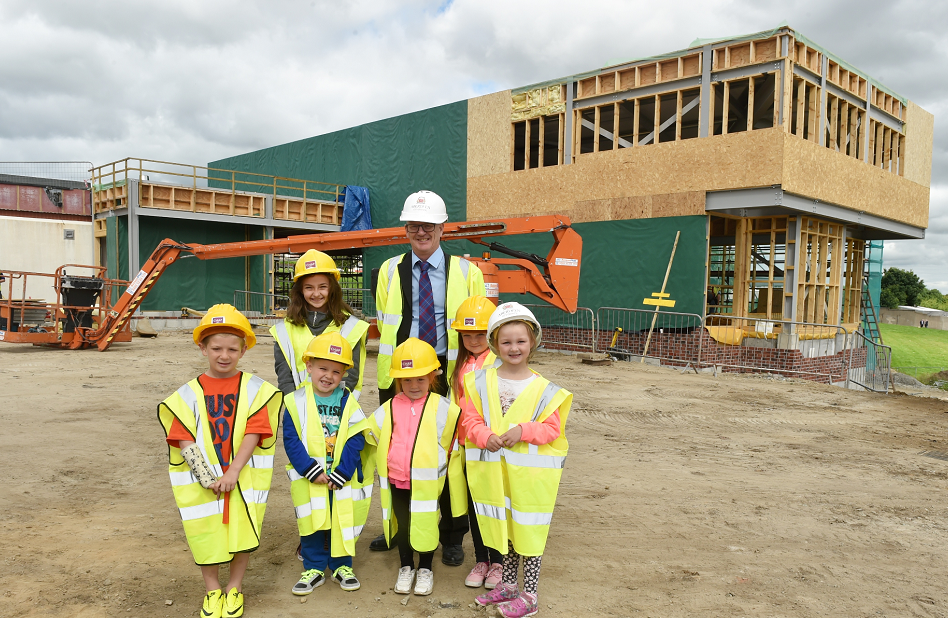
[[511, 312], [424, 206]]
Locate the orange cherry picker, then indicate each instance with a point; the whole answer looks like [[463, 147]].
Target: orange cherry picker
[[83, 300]]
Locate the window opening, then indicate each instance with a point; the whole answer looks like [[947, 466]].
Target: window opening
[[519, 145], [586, 130], [668, 129], [690, 113], [534, 133], [626, 123], [646, 120], [607, 126]]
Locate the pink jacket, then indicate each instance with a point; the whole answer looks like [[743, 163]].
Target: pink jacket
[[406, 417]]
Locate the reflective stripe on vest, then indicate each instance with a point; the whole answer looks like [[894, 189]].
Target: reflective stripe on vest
[[199, 511], [305, 510], [348, 325], [283, 336], [191, 399], [389, 319]]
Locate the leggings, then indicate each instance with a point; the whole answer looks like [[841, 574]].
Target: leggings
[[401, 501], [531, 570]]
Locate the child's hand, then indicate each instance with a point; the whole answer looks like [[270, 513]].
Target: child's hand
[[494, 443], [322, 478], [225, 483], [512, 436]]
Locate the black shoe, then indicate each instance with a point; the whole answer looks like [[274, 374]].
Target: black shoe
[[452, 555], [379, 544]]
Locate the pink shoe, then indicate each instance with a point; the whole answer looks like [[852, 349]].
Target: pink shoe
[[524, 605], [494, 576], [501, 594], [475, 578]]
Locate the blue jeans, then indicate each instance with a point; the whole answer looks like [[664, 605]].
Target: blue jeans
[[316, 552]]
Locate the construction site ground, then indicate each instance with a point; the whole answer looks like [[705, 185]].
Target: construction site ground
[[683, 495]]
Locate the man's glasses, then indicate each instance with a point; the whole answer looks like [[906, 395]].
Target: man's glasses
[[413, 228]]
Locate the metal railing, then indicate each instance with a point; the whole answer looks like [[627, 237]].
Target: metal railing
[[267, 304], [676, 338], [259, 303], [566, 331], [117, 174], [873, 374], [759, 345]]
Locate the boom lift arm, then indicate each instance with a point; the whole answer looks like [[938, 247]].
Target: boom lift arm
[[554, 279]]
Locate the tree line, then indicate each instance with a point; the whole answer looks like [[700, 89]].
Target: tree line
[[904, 287]]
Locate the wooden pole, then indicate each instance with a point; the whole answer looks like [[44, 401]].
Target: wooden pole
[[648, 340]]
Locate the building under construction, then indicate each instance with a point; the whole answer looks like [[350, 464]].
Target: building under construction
[[774, 160]]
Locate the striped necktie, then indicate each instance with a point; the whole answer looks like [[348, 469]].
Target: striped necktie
[[427, 329]]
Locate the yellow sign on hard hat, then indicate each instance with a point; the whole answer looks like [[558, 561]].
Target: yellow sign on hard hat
[[225, 318], [413, 358], [315, 262], [330, 346]]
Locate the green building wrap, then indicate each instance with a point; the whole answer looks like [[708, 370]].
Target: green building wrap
[[199, 284], [624, 262], [392, 158]]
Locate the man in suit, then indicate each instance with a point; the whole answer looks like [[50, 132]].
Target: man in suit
[[418, 294]]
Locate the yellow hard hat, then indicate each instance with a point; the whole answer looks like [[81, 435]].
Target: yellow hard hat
[[225, 318], [412, 359], [473, 313], [314, 262], [330, 346]]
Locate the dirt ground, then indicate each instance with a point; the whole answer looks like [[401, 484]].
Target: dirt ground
[[683, 495]]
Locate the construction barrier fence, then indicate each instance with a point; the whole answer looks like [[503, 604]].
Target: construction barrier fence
[[875, 372]]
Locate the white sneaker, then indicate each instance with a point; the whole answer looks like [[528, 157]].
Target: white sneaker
[[424, 583], [406, 575]]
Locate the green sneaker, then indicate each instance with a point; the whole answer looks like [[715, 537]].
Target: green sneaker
[[309, 580], [213, 604], [346, 579]]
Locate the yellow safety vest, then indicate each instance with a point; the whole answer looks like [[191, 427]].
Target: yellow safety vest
[[458, 487], [514, 489], [350, 508], [429, 466], [212, 542], [293, 339], [464, 280]]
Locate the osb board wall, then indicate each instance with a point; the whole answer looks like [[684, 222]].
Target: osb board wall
[[602, 186], [819, 173], [919, 134], [488, 134]]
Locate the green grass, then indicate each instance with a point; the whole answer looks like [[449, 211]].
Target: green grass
[[916, 347]]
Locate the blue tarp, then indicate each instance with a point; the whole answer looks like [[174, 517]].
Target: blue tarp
[[356, 214]]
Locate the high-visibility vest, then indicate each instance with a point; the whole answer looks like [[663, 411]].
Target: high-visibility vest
[[212, 542], [429, 467], [458, 487], [293, 339], [350, 507], [464, 279], [514, 489]]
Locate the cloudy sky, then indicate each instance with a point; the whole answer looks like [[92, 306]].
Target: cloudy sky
[[197, 80]]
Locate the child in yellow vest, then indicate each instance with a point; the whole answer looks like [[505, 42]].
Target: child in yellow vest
[[323, 436], [316, 307], [515, 451], [415, 430], [220, 432], [473, 353]]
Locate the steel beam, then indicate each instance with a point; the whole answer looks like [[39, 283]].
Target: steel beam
[[704, 121], [568, 125], [775, 201], [644, 91]]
